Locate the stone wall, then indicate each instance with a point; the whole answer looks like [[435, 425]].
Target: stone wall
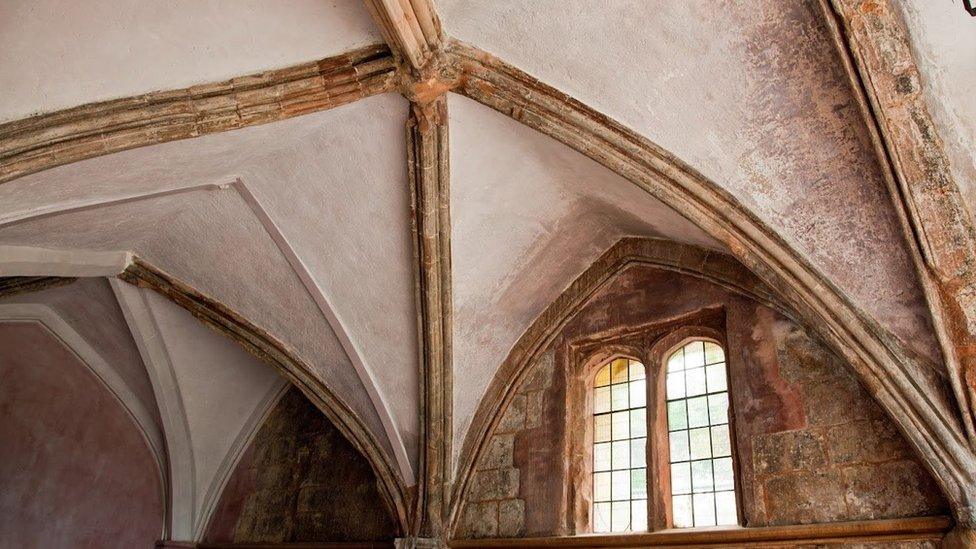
[[300, 480], [811, 444]]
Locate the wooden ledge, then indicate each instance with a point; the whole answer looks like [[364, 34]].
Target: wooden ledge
[[922, 528]]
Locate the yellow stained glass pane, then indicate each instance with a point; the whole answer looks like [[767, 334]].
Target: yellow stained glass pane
[[602, 377], [636, 370], [618, 370]]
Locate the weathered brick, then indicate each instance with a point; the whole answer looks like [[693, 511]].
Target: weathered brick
[[839, 400], [511, 518], [480, 520], [514, 417], [534, 409], [788, 451], [891, 490], [805, 497], [542, 373], [495, 484], [500, 452], [866, 441]]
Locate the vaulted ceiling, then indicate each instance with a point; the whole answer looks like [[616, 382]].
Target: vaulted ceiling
[[303, 225]]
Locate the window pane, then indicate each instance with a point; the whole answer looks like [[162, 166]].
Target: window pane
[[636, 370], [638, 422], [718, 408], [638, 447], [619, 396], [677, 417], [638, 483], [695, 381], [723, 474], [701, 476], [620, 488], [676, 385], [601, 400], [601, 457], [620, 425], [676, 362], [694, 354], [620, 516], [698, 411], [720, 441], [638, 393], [602, 377], [713, 353], [700, 444], [601, 486], [680, 478], [621, 455], [601, 517], [679, 445], [618, 370], [725, 511], [704, 509], [601, 428], [716, 377], [701, 451], [681, 511], [638, 515]]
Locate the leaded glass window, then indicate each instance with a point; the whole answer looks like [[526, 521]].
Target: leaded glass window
[[702, 478], [619, 447]]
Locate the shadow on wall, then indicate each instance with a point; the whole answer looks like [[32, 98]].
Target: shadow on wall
[[74, 469], [300, 480]]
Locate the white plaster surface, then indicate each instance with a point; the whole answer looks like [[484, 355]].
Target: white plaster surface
[[943, 38], [528, 216], [334, 183], [59, 53], [749, 93], [221, 386]]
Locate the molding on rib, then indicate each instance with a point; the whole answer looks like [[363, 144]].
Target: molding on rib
[[270, 350], [48, 140], [900, 382], [428, 171], [410, 27], [875, 50]]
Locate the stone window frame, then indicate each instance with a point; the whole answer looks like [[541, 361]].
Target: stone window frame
[[585, 362]]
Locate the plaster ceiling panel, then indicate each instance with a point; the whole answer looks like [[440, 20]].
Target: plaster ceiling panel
[[333, 183], [528, 216], [211, 369], [89, 307], [57, 53], [750, 93], [212, 241], [943, 38], [342, 200]]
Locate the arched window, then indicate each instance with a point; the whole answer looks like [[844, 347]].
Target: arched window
[[702, 478], [619, 447]]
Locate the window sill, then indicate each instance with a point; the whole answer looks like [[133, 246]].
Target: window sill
[[922, 528]]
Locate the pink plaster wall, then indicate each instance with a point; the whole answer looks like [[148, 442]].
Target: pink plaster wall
[[74, 470]]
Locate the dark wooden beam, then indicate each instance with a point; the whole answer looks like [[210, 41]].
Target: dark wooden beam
[[13, 285], [429, 177], [48, 140]]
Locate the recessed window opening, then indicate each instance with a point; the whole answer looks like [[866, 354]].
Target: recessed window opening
[[702, 477], [619, 447]]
